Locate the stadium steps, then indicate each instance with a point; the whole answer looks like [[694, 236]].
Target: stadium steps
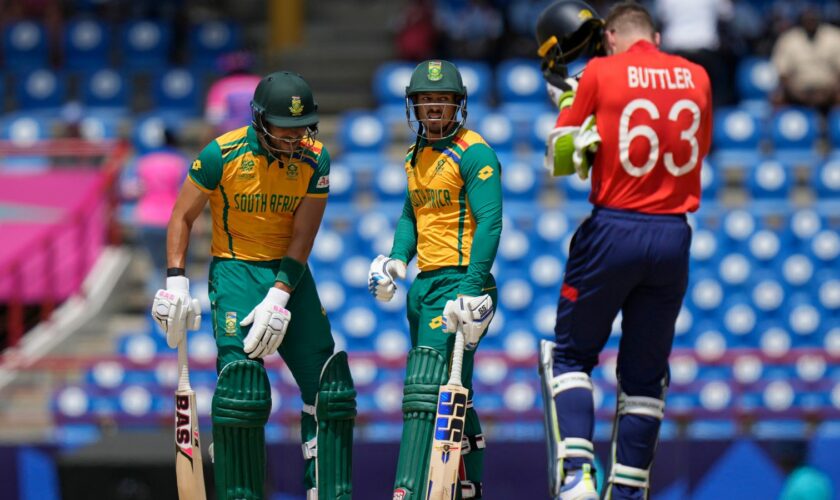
[[344, 43]]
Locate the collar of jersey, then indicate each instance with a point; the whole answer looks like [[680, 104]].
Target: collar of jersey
[[441, 144], [643, 46], [256, 147]]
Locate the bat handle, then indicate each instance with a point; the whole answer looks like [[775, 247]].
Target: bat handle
[[183, 366], [457, 359]]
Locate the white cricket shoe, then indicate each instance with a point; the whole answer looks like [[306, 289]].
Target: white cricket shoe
[[579, 485]]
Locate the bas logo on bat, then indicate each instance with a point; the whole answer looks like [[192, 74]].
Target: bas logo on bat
[[182, 424]]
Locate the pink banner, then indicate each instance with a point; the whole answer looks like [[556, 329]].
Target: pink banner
[[52, 228]]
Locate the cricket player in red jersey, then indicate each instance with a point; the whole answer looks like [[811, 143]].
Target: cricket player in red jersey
[[642, 119]]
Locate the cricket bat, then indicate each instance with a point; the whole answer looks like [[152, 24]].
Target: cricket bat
[[445, 459], [188, 466]]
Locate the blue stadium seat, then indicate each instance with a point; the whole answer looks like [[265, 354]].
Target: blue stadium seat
[[734, 270], [551, 229], [796, 269], [372, 224], [329, 248], [146, 44], [764, 246], [576, 189], [833, 126], [178, 91], [795, 133], [825, 247], [546, 272], [98, 126], [106, 88], [738, 226], [390, 81], [342, 182], [710, 345], [390, 182], [515, 294], [514, 246], [770, 179], [827, 287], [41, 89], [149, 129], [208, 40], [826, 179], [738, 316], [498, 130], [362, 132], [541, 121], [774, 340], [710, 180], [803, 225], [803, 319], [519, 182], [520, 81], [477, 79], [71, 401], [24, 130], [737, 138], [25, 46], [705, 293], [87, 44], [756, 78], [704, 247], [768, 293]]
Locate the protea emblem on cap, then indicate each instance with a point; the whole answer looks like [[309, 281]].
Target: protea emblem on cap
[[297, 107], [585, 14], [435, 71]]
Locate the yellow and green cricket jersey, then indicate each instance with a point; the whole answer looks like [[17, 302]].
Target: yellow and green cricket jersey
[[452, 214], [253, 196]]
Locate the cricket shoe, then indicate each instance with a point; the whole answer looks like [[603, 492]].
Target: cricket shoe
[[579, 485]]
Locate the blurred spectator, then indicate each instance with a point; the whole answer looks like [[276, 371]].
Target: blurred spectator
[[803, 481], [416, 35], [692, 30], [158, 177], [471, 31], [229, 98], [807, 58]]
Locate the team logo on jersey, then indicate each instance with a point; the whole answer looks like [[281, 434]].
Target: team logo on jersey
[[230, 323], [247, 165], [196, 165], [584, 14], [297, 107], [323, 182], [485, 173], [436, 322], [292, 171], [435, 71]]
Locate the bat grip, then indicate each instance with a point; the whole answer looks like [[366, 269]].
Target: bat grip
[[183, 366], [457, 359]]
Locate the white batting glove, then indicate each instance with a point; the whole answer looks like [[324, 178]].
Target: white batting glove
[[381, 278], [175, 311], [270, 320], [560, 90], [471, 314], [586, 144]]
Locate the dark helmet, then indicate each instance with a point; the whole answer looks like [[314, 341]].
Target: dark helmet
[[283, 99], [566, 30], [436, 76]]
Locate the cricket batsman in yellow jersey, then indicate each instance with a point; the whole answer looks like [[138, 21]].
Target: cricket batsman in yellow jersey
[[451, 220], [267, 184]]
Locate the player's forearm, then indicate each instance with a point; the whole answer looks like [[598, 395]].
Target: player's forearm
[[177, 241], [482, 254], [404, 247]]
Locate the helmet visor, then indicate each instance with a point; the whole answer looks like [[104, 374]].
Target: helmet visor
[[436, 116]]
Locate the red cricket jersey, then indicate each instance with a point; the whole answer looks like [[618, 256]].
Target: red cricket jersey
[[654, 113]]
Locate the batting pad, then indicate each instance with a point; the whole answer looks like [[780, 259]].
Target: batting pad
[[335, 413], [241, 405], [426, 370]]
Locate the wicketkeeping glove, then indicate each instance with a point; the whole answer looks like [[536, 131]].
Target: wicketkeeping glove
[[270, 320], [586, 145], [175, 311], [471, 314], [382, 275]]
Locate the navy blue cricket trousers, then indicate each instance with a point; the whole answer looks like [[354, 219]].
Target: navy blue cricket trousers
[[629, 262]]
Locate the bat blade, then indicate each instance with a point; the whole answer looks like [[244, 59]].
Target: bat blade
[[188, 463], [445, 458]]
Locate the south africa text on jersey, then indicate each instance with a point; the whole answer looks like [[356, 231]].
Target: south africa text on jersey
[[263, 202], [430, 198]]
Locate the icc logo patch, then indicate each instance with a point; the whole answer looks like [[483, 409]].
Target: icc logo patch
[[297, 107], [485, 173], [230, 323], [323, 182], [400, 494]]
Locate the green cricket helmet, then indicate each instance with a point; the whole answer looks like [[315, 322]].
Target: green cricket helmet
[[283, 99], [436, 76], [567, 30]]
